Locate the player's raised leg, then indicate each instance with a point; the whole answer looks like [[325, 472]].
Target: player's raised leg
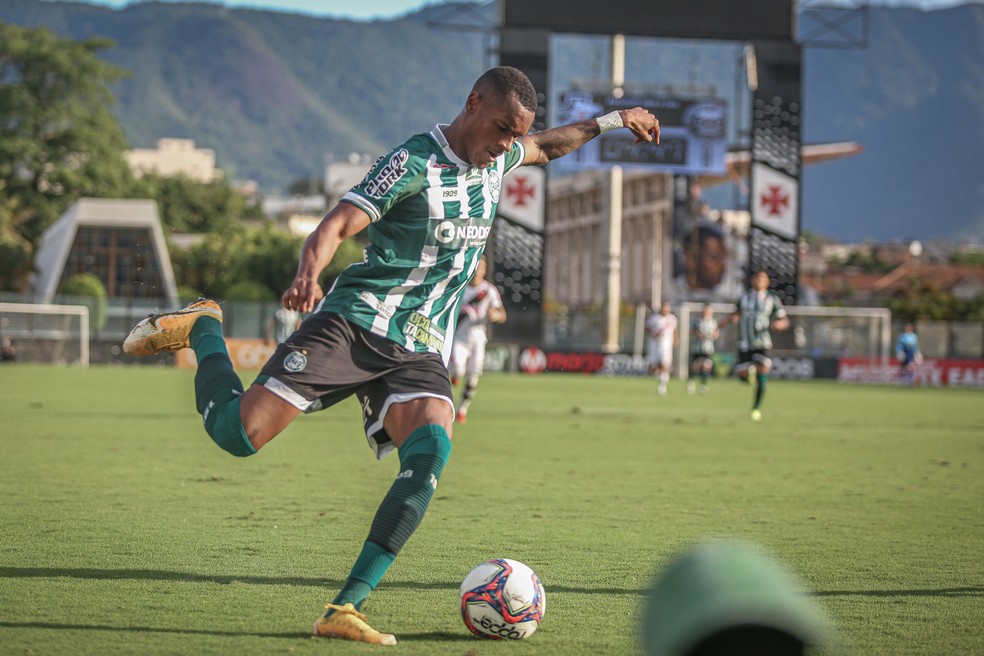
[[218, 389]]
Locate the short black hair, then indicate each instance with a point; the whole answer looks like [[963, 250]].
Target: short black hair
[[505, 80], [702, 232]]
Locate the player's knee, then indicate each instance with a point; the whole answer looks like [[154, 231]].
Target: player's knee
[[431, 440], [224, 426]]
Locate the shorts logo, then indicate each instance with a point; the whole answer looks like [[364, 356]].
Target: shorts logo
[[295, 361]]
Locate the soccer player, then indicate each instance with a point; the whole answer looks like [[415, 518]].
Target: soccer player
[[705, 331], [757, 312], [907, 351], [662, 327], [481, 305], [383, 330], [282, 325]]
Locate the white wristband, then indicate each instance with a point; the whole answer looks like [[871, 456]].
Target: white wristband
[[610, 121]]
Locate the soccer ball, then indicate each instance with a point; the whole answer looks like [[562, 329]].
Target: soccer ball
[[502, 598]]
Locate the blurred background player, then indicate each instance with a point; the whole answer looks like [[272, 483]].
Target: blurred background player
[[7, 351], [705, 333], [481, 305], [907, 351], [662, 327], [282, 325], [758, 311]]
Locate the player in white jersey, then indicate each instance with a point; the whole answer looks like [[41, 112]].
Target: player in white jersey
[[481, 305], [662, 327], [383, 331]]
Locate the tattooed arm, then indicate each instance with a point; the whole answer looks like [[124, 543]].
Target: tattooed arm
[[557, 142]]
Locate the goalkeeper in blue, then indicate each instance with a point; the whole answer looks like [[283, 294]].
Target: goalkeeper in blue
[[907, 351], [383, 331]]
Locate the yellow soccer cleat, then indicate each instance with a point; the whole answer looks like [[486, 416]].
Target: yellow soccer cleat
[[349, 624], [169, 331]]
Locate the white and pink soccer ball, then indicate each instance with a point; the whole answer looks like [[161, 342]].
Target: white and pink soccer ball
[[502, 599]]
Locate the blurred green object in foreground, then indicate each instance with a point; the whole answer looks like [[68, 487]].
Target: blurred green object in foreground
[[726, 597]]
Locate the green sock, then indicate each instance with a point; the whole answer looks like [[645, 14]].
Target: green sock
[[218, 388], [703, 376], [206, 338], [366, 574], [422, 459], [761, 379]]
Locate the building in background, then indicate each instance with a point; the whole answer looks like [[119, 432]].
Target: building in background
[[119, 241], [174, 157], [575, 235]]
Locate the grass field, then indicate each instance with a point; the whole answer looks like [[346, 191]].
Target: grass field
[[124, 530]]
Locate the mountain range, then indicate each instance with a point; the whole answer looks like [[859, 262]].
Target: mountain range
[[275, 94]]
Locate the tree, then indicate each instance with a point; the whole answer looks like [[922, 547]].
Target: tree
[[186, 205], [59, 140], [15, 251], [265, 256], [89, 288]]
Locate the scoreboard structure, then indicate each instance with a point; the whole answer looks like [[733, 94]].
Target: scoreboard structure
[[525, 27]]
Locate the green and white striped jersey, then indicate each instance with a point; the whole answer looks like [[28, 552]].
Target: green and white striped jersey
[[757, 311], [704, 330], [431, 215]]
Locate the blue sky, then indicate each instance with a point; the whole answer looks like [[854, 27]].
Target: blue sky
[[370, 9]]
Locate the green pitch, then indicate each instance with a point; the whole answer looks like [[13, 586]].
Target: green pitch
[[124, 530]]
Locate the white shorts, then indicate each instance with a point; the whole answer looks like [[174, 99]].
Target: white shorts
[[468, 353], [660, 353]]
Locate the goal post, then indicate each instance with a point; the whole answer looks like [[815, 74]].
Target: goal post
[[47, 333], [816, 333]]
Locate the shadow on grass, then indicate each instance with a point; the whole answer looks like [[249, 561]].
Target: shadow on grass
[[189, 577], [434, 636], [57, 626], [164, 575], [972, 591]]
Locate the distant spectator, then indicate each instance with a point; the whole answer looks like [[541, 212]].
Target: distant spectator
[[7, 351]]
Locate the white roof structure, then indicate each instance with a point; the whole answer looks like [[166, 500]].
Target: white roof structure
[[123, 214]]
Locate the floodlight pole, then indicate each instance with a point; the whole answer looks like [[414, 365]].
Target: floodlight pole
[[613, 256]]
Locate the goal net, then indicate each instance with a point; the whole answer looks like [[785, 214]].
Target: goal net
[[817, 337], [57, 334]]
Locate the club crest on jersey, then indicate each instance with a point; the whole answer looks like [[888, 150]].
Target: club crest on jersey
[[389, 175], [494, 183], [295, 361]]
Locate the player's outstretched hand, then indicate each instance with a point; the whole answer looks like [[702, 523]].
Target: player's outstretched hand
[[643, 124], [303, 295]]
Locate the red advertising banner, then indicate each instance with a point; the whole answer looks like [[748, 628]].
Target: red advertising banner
[[937, 373]]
